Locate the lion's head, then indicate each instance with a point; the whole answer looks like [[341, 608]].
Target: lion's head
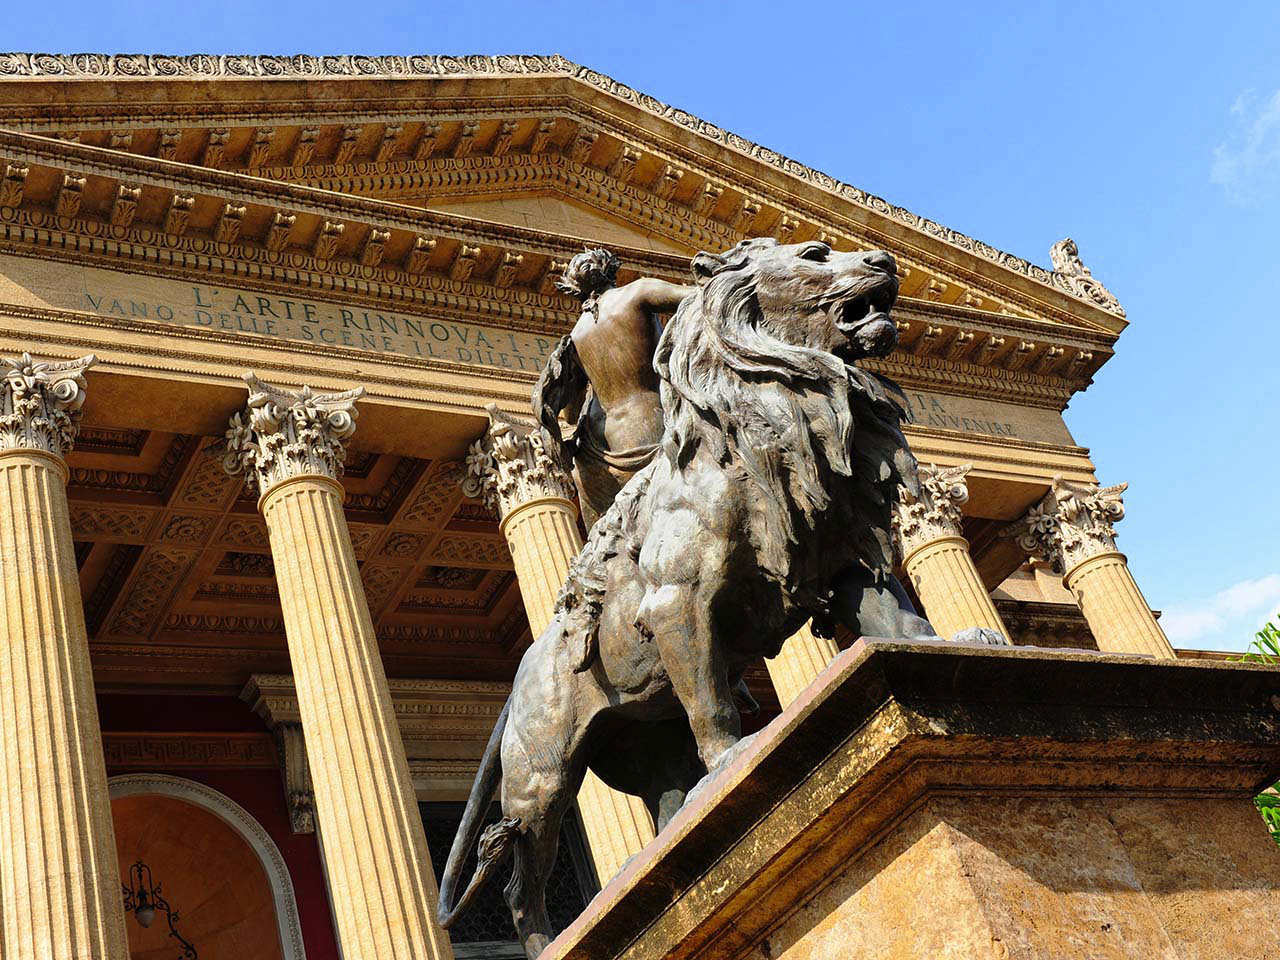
[[756, 368], [810, 295]]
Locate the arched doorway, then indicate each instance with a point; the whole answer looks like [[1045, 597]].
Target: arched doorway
[[216, 866]]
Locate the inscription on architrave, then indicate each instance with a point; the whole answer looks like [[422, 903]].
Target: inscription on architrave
[[988, 418], [239, 311]]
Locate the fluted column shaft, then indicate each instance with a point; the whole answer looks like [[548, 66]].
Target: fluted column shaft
[[380, 875], [375, 851], [1072, 529], [798, 663], [540, 523], [1118, 614], [947, 583], [59, 878], [927, 535], [543, 538]]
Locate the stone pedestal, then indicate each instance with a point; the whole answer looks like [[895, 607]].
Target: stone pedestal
[[59, 882], [375, 851], [942, 800], [1072, 529], [533, 496]]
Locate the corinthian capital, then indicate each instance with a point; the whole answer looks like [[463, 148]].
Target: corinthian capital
[[40, 404], [283, 434], [1071, 524], [509, 467], [936, 512]]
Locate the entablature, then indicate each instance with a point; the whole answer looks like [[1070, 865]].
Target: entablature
[[371, 117], [72, 202]]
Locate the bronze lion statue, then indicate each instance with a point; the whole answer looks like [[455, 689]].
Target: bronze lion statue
[[768, 505]]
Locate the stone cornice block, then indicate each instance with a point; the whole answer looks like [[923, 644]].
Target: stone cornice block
[[887, 727]]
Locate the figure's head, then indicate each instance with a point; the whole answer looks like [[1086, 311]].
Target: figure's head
[[589, 273], [808, 294]]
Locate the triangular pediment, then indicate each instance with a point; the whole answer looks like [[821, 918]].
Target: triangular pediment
[[387, 127], [555, 214]]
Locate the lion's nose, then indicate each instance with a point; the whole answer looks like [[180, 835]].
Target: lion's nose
[[881, 261]]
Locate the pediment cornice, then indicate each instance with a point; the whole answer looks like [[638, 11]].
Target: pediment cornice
[[786, 186], [126, 212]]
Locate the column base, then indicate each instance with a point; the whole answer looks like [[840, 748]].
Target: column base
[[944, 800]]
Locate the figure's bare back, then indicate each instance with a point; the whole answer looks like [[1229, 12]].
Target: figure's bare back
[[616, 343]]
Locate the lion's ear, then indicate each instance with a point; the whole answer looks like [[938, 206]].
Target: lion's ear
[[706, 266]]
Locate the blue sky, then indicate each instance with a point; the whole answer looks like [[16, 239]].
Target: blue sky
[[1148, 132]]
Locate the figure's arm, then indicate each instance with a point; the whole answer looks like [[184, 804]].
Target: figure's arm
[[562, 386], [658, 296]]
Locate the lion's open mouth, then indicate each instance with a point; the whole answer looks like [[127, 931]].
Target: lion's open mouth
[[866, 308]]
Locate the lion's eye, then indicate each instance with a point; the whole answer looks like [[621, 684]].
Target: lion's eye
[[815, 251]]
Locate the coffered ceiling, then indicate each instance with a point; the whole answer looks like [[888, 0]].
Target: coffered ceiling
[[176, 572]]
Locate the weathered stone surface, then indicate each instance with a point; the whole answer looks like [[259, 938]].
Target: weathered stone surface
[[938, 800]]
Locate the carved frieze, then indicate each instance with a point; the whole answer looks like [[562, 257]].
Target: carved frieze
[[285, 434], [187, 750], [1071, 524], [134, 66], [40, 403]]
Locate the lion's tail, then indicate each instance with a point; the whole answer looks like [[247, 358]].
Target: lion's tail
[[495, 841]]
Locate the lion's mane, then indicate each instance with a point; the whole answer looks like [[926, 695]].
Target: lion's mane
[[807, 429]]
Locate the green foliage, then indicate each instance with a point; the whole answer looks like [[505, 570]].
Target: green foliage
[[1265, 647], [1268, 805]]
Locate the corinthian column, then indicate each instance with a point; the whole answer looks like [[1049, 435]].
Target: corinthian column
[[936, 556], [798, 663], [509, 468], [1072, 529], [59, 880], [290, 448]]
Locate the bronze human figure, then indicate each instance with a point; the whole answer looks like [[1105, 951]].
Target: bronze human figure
[[602, 374], [768, 505]]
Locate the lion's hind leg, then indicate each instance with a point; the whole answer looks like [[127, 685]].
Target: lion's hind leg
[[542, 767]]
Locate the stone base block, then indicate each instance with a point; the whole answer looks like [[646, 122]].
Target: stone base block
[[939, 800]]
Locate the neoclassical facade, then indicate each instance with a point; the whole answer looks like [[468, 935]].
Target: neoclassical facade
[[272, 523]]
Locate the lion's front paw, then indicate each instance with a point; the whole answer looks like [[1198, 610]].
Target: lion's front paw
[[985, 635]]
